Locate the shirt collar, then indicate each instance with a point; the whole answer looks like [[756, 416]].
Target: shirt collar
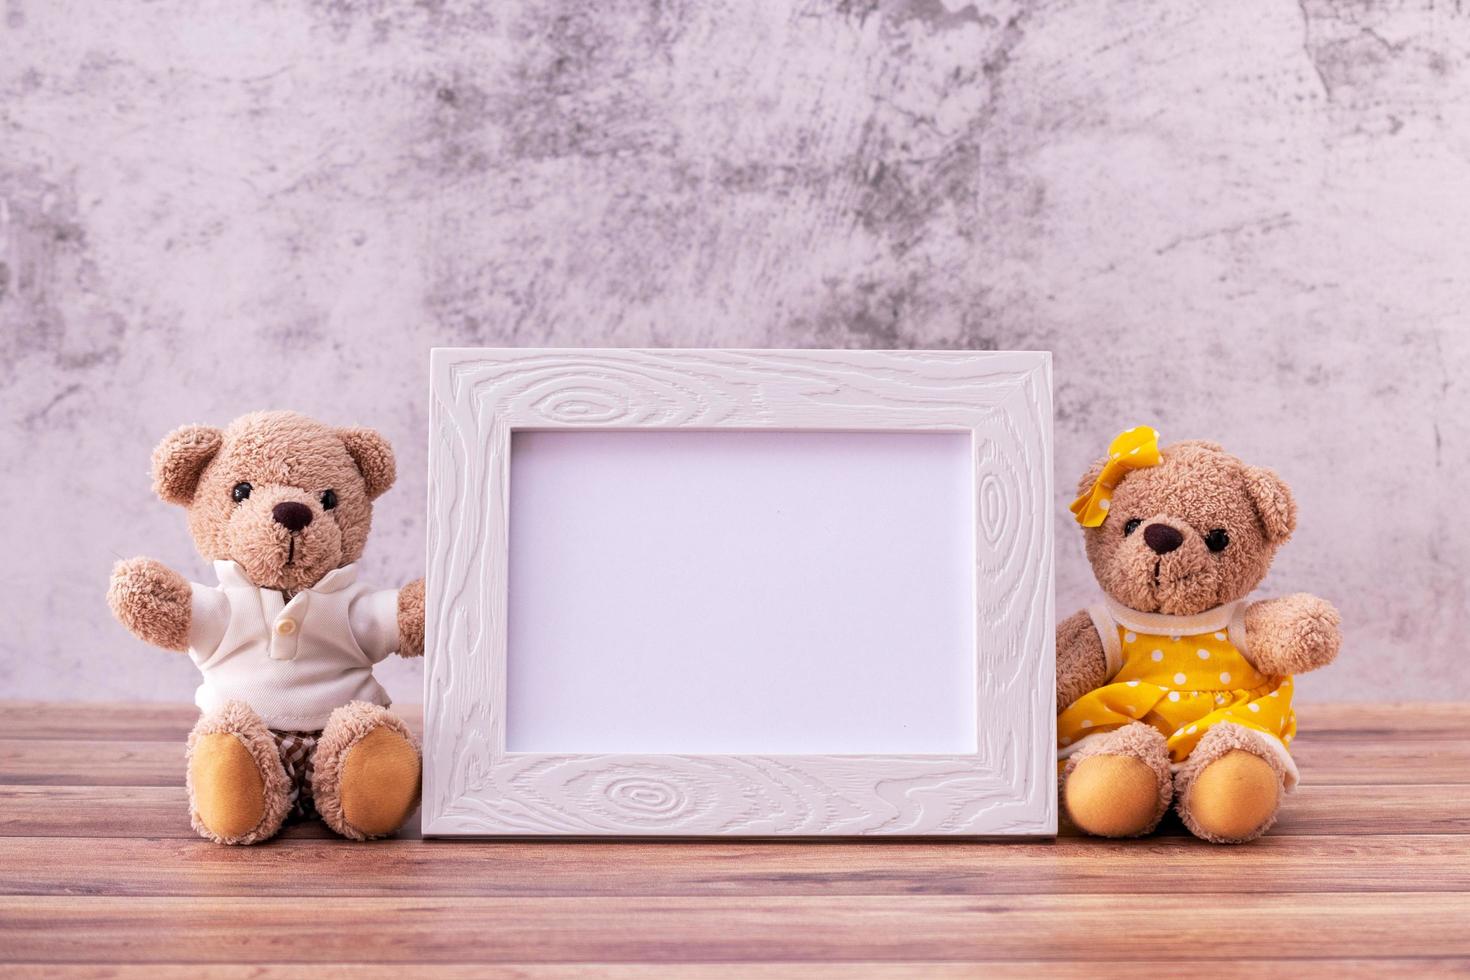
[[1160, 624], [232, 576]]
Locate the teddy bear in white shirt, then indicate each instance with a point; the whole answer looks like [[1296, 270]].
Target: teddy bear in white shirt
[[293, 722]]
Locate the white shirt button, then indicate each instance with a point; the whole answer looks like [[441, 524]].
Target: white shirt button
[[286, 627]]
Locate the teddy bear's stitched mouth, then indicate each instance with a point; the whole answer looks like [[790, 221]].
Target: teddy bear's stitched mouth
[[1174, 582]]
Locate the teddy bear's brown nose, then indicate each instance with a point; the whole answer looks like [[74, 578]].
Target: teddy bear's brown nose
[[291, 515], [1160, 537]]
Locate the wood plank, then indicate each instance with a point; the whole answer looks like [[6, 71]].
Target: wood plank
[[119, 811], [1338, 760], [161, 811], [300, 866], [130, 720], [171, 721], [1366, 810], [892, 970], [1398, 720], [862, 928], [120, 720], [1348, 760], [47, 762], [94, 811], [1394, 857]]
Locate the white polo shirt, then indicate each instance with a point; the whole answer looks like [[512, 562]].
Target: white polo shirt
[[292, 662]]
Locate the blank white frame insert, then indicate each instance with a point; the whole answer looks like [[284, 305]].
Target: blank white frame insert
[[731, 593], [680, 593]]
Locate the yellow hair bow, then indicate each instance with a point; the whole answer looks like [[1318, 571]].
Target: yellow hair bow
[[1134, 449]]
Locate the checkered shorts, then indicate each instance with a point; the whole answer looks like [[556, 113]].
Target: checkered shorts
[[298, 758]]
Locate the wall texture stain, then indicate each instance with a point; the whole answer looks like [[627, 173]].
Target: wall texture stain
[[1240, 221]]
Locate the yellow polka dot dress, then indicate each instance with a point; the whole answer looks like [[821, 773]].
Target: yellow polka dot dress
[[1183, 675]]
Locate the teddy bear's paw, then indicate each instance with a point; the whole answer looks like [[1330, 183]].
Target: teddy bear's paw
[[1118, 784], [411, 619], [367, 776], [1316, 638], [1293, 634], [152, 600], [238, 791], [1229, 789]]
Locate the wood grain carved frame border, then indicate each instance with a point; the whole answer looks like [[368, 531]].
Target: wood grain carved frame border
[[473, 787]]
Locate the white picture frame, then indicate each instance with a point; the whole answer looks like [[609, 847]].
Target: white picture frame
[[1005, 786]]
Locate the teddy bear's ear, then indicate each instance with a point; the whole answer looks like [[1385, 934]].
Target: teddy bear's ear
[[374, 459], [1273, 501], [1089, 478], [180, 459]]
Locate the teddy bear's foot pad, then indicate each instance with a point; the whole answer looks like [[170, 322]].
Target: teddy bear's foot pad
[[238, 792], [366, 781], [1118, 784], [1113, 796], [229, 794], [1234, 798], [380, 782]]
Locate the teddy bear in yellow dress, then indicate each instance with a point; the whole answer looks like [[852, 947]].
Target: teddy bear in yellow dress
[[1174, 688]]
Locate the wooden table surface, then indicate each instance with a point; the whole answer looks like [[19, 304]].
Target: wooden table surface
[[1368, 872]]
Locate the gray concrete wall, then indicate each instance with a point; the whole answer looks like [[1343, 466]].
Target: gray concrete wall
[[1243, 221]]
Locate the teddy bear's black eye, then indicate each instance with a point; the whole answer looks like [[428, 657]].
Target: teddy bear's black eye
[[241, 491], [1217, 540], [1131, 526], [329, 499]]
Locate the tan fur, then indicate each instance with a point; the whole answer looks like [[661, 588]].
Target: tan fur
[[1197, 488], [180, 458], [1292, 634], [1274, 503], [153, 601], [332, 779], [373, 457], [1194, 490], [220, 784], [1081, 663], [1240, 805], [1137, 757], [285, 457], [411, 619]]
